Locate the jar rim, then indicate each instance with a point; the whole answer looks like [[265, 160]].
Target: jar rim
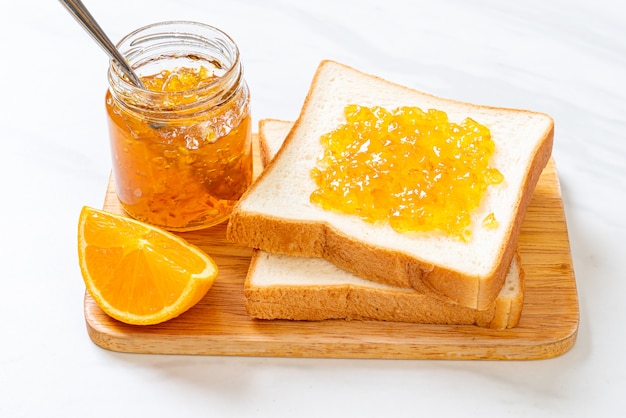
[[134, 39]]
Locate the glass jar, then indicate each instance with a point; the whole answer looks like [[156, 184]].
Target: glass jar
[[181, 147]]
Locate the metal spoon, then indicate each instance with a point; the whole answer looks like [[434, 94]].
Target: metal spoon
[[82, 15]]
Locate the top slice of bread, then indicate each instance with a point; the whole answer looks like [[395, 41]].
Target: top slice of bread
[[276, 214]]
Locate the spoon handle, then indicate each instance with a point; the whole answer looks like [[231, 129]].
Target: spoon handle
[[82, 15]]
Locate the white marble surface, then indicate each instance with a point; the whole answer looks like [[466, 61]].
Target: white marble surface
[[565, 58]]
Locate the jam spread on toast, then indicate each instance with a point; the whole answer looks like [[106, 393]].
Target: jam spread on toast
[[414, 169]]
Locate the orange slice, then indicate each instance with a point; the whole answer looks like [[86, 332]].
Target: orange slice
[[138, 273]]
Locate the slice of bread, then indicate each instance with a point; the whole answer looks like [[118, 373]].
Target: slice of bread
[[301, 288], [272, 134], [276, 214]]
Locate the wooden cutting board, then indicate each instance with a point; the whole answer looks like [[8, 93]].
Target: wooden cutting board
[[219, 324]]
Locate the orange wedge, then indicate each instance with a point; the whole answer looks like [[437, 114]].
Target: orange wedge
[[137, 273]]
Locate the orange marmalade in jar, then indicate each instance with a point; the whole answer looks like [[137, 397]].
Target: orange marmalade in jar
[[181, 144]]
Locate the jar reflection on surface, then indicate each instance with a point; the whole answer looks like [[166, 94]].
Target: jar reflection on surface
[[181, 157]]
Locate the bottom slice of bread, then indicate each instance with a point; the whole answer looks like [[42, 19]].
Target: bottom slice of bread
[[313, 289]]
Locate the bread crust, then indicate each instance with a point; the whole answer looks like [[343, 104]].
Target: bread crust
[[264, 150], [319, 239], [351, 302]]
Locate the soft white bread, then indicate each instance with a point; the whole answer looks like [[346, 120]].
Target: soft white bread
[[276, 215], [303, 288], [272, 134]]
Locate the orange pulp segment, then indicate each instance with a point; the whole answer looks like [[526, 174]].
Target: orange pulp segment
[[138, 273]]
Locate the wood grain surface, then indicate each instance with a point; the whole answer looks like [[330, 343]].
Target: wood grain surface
[[219, 324]]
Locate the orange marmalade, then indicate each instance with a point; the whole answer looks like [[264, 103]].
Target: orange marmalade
[[181, 146], [415, 170]]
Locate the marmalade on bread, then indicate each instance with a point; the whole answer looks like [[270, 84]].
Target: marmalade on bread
[[414, 169]]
